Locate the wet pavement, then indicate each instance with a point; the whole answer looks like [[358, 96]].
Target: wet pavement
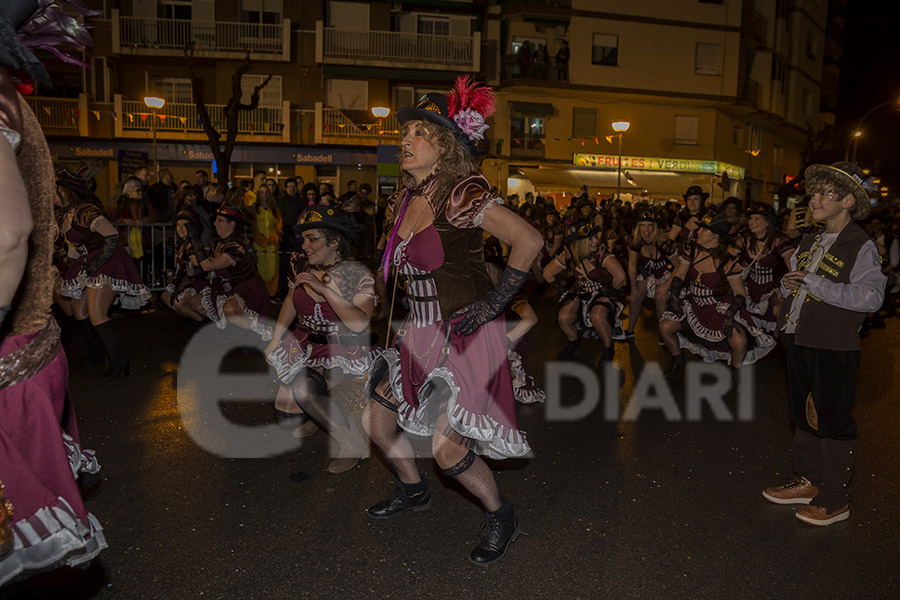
[[649, 508]]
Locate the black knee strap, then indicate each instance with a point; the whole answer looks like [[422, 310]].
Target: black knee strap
[[460, 467], [377, 373], [384, 401]]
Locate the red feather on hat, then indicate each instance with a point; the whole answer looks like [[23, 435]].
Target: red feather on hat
[[469, 94]]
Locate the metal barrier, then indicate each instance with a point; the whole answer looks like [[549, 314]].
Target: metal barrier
[[152, 246]]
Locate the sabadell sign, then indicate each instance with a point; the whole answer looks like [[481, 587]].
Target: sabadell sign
[[649, 163]]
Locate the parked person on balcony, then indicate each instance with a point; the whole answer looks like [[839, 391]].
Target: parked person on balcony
[[267, 237], [562, 61], [539, 63], [162, 197], [523, 58]]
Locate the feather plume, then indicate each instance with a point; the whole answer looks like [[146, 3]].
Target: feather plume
[[469, 95]]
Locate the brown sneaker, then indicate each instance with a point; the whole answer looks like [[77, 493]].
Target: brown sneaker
[[818, 515], [798, 490]]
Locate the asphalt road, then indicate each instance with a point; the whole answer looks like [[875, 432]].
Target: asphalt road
[[645, 508]]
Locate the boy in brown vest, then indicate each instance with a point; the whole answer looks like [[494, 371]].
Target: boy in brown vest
[[835, 280]]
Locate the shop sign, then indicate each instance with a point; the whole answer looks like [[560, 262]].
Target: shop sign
[[647, 163]]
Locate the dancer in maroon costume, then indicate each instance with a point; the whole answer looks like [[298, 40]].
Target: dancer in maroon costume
[[325, 319], [765, 257], [709, 319], [447, 374], [43, 521]]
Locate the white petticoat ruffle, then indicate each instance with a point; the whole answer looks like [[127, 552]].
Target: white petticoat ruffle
[[131, 296], [491, 438], [52, 537]]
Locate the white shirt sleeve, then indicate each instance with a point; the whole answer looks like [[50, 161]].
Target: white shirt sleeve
[[864, 293], [793, 267]]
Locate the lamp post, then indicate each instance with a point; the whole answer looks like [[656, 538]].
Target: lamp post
[[155, 104], [620, 127], [858, 133]]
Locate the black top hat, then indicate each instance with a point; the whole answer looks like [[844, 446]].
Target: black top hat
[[319, 216], [79, 185], [463, 111], [580, 230], [851, 177], [647, 214], [719, 225], [735, 201], [766, 210], [696, 190]]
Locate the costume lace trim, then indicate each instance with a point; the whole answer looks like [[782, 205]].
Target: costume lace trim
[[53, 536], [130, 296]]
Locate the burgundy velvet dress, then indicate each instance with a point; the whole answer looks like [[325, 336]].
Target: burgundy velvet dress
[[705, 298], [444, 268], [655, 271], [119, 272], [240, 281], [762, 278], [319, 338], [590, 290]]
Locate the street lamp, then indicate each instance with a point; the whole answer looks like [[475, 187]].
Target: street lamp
[[620, 127], [858, 132], [155, 104]]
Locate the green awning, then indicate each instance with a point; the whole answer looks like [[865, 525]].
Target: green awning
[[531, 109]]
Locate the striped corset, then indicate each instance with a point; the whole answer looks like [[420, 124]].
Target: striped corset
[[421, 290]]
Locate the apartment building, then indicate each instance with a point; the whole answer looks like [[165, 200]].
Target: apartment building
[[707, 86]]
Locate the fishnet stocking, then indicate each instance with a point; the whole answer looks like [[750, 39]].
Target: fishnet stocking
[[319, 407], [449, 448], [380, 423]]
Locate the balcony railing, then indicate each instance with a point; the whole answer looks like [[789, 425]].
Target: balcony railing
[[186, 119], [527, 148], [55, 113], [336, 124], [392, 46], [171, 36]]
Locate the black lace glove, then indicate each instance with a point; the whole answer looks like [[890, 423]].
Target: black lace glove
[[672, 303], [736, 305], [197, 248], [109, 246], [481, 311]]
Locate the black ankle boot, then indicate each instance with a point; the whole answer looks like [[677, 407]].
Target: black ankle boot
[[570, 351], [407, 496], [96, 352], [502, 529], [677, 368], [607, 357], [118, 364]]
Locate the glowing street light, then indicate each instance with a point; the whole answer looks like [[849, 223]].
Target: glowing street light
[[620, 126], [381, 111], [156, 104]]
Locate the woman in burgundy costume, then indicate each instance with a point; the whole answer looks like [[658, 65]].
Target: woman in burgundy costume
[[651, 256], [325, 319], [446, 375], [102, 274], [43, 521], [190, 279], [709, 317], [593, 305], [765, 257], [236, 294]]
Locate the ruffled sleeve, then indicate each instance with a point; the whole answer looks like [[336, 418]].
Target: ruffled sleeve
[[85, 215], [469, 200]]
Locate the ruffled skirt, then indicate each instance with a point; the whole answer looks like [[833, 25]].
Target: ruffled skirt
[[251, 295], [476, 372], [40, 456], [119, 273], [296, 353], [702, 332]]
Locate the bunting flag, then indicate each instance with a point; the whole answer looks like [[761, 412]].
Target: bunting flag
[[162, 118], [130, 118], [115, 116], [66, 112], [96, 114], [144, 117], [47, 110], [183, 120]]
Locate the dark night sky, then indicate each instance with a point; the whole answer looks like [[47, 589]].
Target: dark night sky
[[870, 75]]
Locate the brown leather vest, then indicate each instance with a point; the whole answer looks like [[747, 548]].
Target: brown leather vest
[[822, 325], [462, 279]]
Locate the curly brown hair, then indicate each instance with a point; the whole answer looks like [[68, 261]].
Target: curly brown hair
[[454, 161]]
